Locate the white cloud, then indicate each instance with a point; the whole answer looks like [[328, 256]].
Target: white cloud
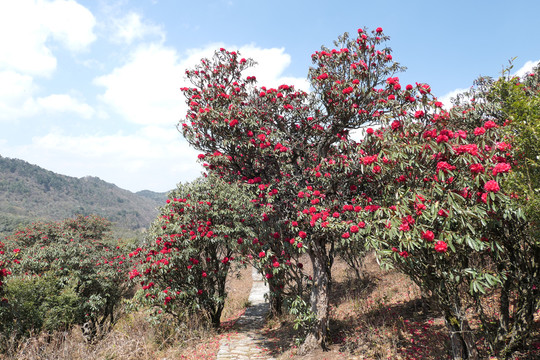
[[446, 99], [16, 95], [526, 68], [26, 26], [145, 90], [17, 99], [271, 63], [29, 32], [15, 87], [152, 158], [130, 28], [65, 103]]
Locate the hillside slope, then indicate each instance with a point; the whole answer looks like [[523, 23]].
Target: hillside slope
[[29, 193]]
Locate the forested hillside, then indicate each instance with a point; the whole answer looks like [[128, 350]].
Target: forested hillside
[[29, 192]]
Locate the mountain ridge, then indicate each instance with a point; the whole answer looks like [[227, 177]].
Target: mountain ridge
[[31, 193]]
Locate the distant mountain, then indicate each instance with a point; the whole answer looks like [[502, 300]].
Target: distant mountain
[[29, 193]]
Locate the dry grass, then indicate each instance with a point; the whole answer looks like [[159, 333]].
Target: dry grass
[[377, 317], [380, 316], [134, 338]]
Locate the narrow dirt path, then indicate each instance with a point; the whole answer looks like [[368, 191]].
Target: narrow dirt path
[[247, 342]]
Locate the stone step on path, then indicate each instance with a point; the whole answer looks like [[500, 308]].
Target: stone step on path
[[247, 342]]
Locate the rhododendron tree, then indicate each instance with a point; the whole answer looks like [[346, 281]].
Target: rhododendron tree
[[444, 219], [191, 247], [518, 101], [65, 273], [426, 187], [294, 148]]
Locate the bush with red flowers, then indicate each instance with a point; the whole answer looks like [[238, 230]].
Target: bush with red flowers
[[190, 249], [442, 200], [65, 273]]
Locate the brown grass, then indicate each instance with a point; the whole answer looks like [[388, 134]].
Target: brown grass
[[381, 316], [377, 317], [134, 338]]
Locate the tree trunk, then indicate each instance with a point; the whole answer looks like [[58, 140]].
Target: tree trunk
[[461, 337], [276, 303], [319, 300], [215, 315]]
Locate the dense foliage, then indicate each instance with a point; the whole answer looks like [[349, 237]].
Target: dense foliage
[[62, 274], [191, 248], [290, 145], [429, 189]]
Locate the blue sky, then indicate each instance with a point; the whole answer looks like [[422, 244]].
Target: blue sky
[[91, 87]]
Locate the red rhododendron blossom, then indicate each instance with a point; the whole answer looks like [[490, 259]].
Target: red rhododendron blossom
[[369, 131], [502, 146], [440, 246], [445, 167], [428, 235], [501, 168], [443, 213], [367, 160], [442, 139], [461, 134], [489, 125], [483, 198], [468, 148], [262, 254], [379, 30], [476, 168], [479, 131], [396, 124], [354, 229], [492, 186], [322, 76], [346, 235], [404, 227], [302, 234]]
